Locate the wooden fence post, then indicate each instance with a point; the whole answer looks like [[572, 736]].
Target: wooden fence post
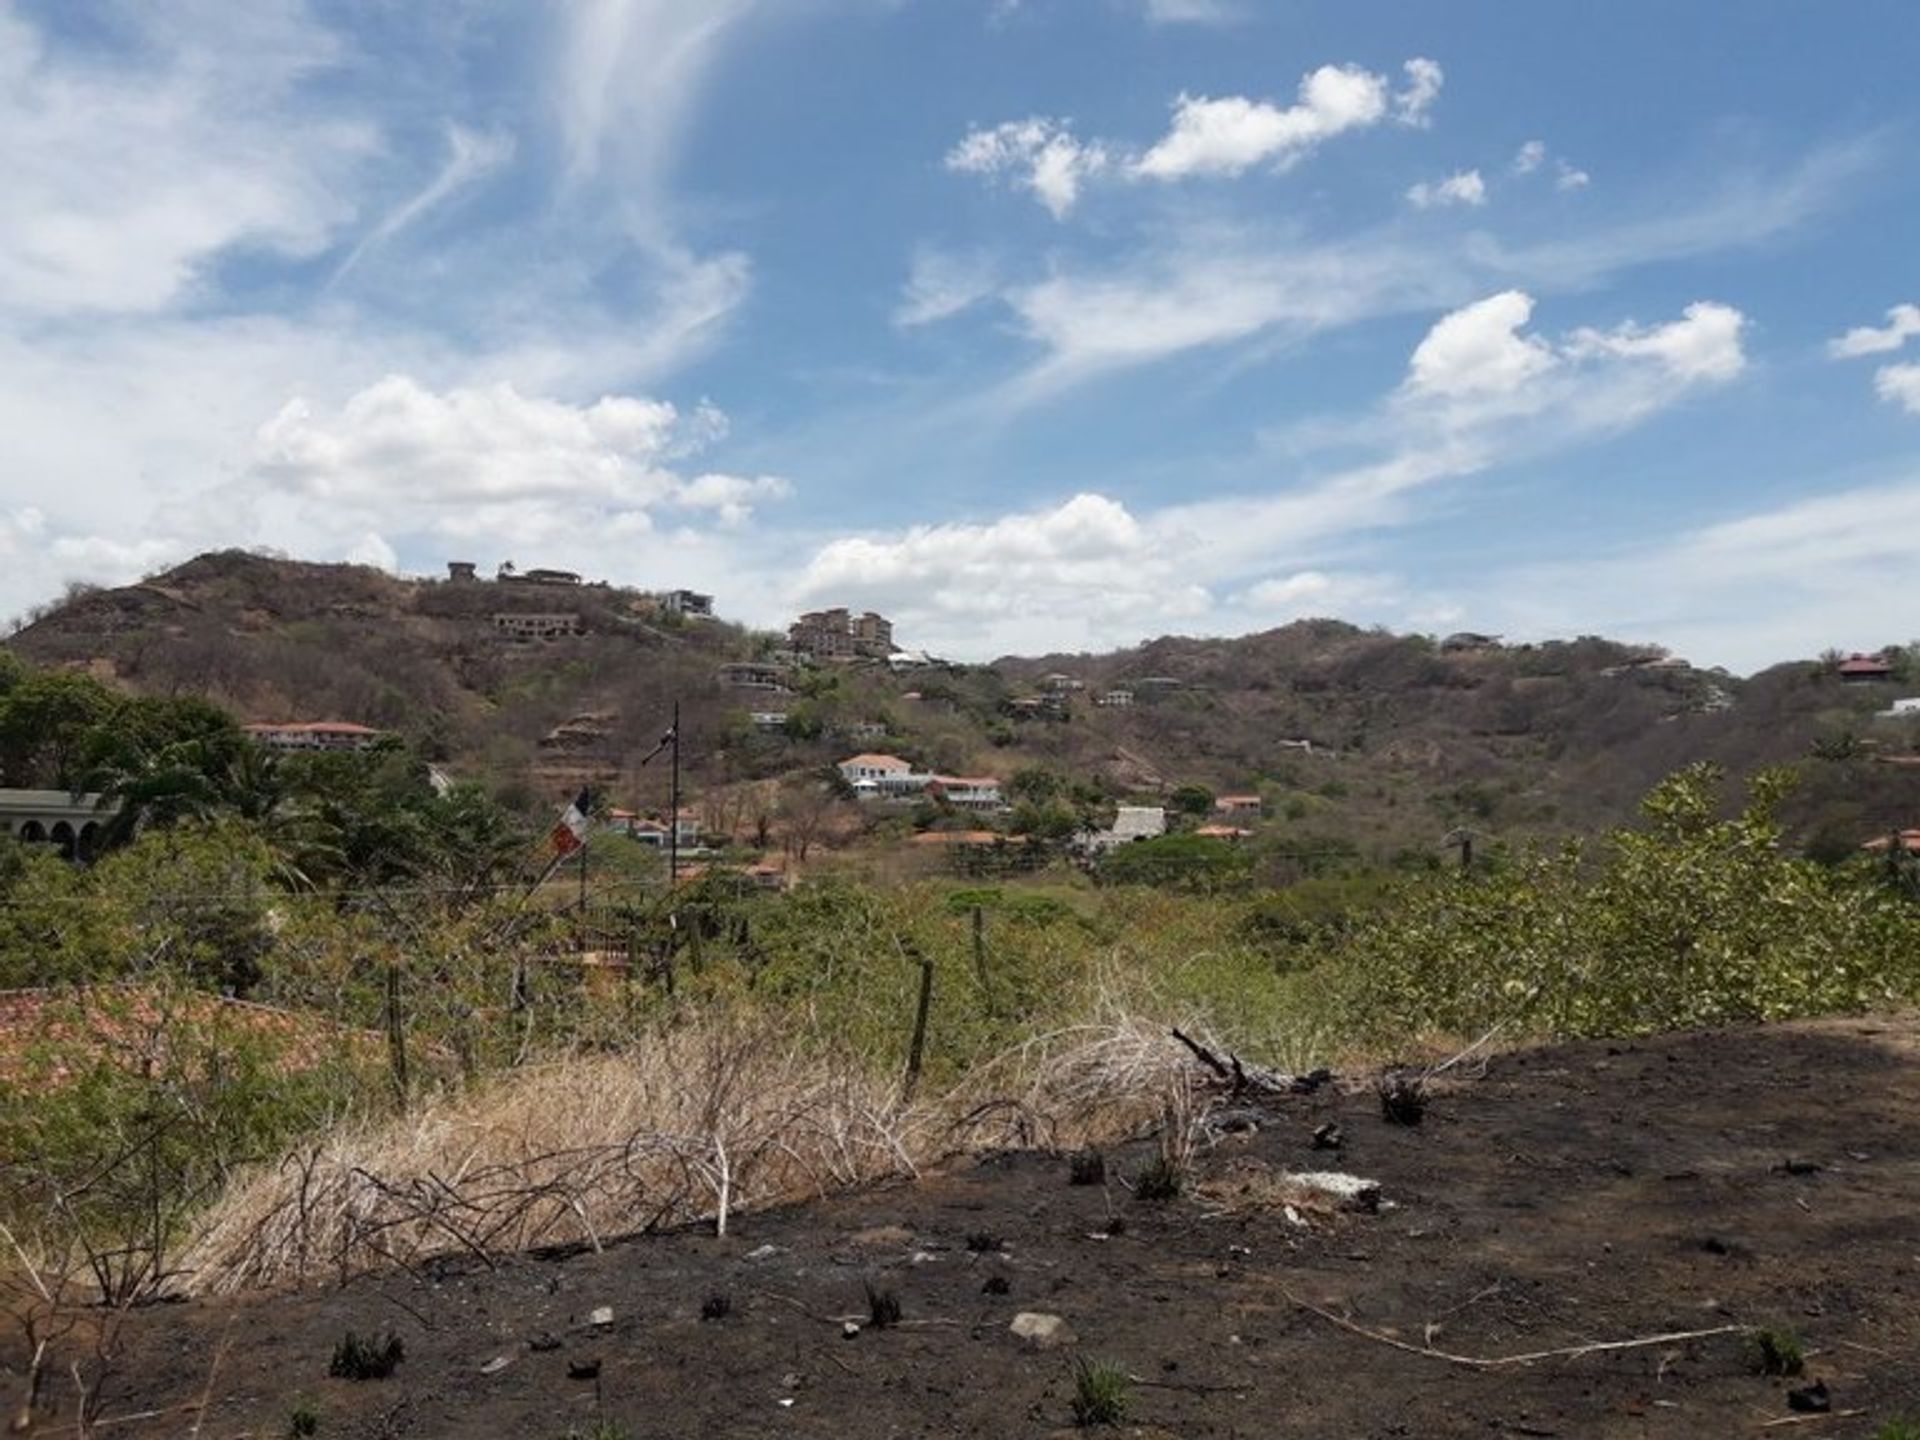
[[916, 1052], [980, 956], [396, 1034]]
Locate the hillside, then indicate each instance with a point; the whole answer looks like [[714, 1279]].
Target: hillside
[[1353, 737]]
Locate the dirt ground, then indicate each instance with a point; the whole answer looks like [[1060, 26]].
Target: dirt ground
[[1578, 1194]]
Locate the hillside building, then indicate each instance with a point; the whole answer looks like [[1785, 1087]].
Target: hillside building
[[689, 604], [966, 792], [839, 634], [1238, 805], [1864, 669], [751, 675], [539, 627], [462, 572], [315, 735]]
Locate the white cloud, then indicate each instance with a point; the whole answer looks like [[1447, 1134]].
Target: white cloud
[[1530, 157], [1899, 385], [1465, 188], [372, 549], [1903, 323], [1092, 571], [125, 181], [630, 75], [1041, 154], [1478, 350], [399, 449], [471, 157], [1704, 344], [1794, 580], [1231, 135], [1411, 105], [1193, 12], [941, 285], [1569, 178]]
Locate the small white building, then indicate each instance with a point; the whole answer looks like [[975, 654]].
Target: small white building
[[768, 721], [1903, 709], [1114, 700], [1130, 823]]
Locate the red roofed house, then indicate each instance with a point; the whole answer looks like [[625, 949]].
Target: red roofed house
[[1237, 805], [1222, 832], [1858, 668], [315, 735], [1908, 840]]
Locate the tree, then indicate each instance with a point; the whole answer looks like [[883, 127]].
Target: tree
[[1198, 864], [44, 719], [1193, 800]]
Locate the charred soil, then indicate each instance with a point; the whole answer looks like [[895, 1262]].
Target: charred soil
[[1765, 1178]]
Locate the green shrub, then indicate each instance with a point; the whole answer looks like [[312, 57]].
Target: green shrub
[[1102, 1392]]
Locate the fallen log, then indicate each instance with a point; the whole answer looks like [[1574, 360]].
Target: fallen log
[[1238, 1079]]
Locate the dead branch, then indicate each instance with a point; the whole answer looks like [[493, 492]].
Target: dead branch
[[1482, 1362]]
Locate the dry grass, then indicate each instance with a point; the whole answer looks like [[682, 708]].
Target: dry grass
[[687, 1125]]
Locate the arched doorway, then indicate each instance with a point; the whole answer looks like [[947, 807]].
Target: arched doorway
[[33, 833], [64, 837], [89, 840]]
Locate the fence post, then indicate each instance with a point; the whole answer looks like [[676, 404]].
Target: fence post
[[396, 1034], [917, 1050], [980, 956]]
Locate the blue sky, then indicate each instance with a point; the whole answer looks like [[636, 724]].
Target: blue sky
[[1038, 325]]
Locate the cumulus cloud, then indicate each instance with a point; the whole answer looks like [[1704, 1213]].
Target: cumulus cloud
[[1704, 344], [1478, 350], [1465, 188], [1899, 385], [1041, 155], [1530, 157], [1903, 323], [1570, 178], [1231, 135], [398, 448]]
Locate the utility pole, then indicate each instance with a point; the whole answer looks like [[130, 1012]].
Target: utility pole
[[673, 819]]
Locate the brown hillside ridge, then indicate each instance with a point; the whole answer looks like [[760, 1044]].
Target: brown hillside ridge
[[1383, 741], [1578, 1241]]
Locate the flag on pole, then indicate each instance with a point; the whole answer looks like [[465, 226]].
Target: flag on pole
[[571, 831]]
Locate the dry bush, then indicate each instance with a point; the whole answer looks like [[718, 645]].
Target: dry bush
[[688, 1125]]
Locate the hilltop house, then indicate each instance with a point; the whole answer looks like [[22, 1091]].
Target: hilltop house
[[1114, 700], [1238, 805], [314, 735], [1857, 669]]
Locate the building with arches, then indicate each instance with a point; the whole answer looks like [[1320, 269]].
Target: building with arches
[[71, 824]]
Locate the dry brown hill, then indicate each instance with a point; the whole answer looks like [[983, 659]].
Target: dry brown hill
[[1408, 737]]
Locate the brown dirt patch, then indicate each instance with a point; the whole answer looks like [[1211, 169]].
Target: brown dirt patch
[[1582, 1193]]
